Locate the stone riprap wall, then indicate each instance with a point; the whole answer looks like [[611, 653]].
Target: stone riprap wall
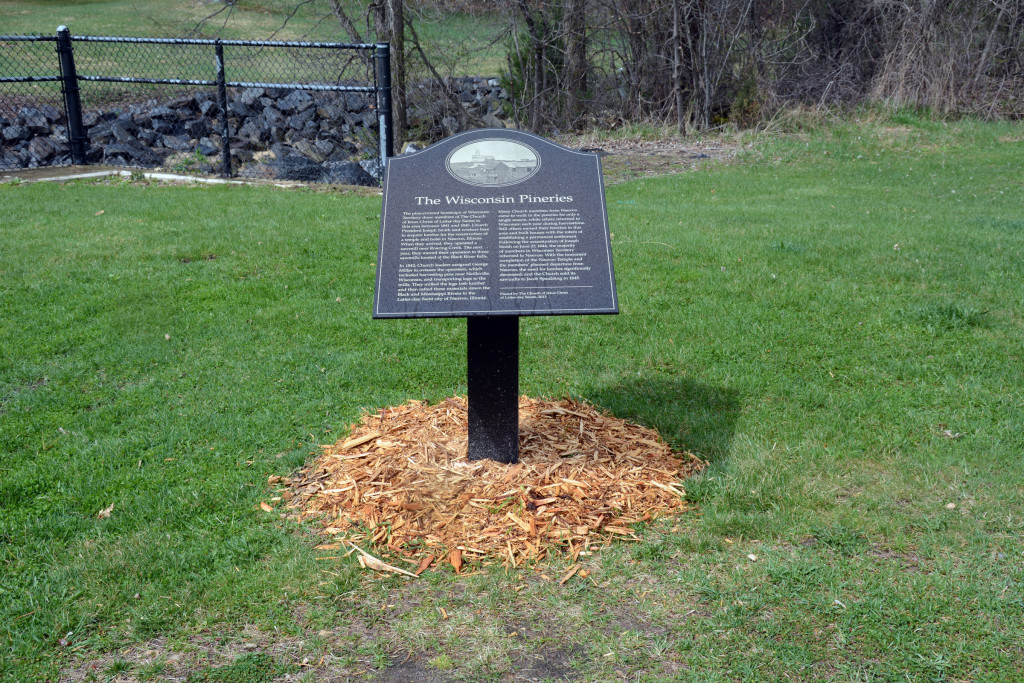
[[33, 135], [274, 133]]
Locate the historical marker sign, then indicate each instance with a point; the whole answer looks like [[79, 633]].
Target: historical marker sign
[[491, 225], [494, 223]]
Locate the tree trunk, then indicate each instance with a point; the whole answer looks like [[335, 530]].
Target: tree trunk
[[677, 66], [389, 21], [574, 76]]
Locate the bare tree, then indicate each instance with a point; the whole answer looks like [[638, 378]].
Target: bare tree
[[389, 21], [699, 63]]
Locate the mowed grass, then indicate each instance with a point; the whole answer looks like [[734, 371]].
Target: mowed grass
[[457, 43], [835, 322]]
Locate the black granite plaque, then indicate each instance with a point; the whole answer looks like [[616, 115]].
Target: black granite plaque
[[494, 223]]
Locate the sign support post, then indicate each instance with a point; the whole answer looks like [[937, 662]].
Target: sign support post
[[492, 376]]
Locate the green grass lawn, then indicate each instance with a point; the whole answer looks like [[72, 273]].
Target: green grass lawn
[[457, 43], [836, 322]]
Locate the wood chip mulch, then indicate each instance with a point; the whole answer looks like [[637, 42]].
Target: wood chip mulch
[[401, 481]]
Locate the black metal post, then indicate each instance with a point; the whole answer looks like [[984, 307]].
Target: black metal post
[[222, 100], [72, 101], [492, 355], [382, 59]]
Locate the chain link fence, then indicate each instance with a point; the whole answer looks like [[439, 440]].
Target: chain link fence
[[33, 122], [316, 112]]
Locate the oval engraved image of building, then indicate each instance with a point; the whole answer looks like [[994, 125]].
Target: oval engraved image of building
[[493, 162]]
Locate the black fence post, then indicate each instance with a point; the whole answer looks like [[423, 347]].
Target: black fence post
[[222, 100], [72, 101], [382, 58]]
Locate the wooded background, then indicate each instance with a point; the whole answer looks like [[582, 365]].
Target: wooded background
[[576, 64]]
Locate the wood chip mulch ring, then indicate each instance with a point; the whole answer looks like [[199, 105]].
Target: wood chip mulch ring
[[402, 482]]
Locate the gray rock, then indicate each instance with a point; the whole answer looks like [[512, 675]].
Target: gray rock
[[35, 121], [163, 113], [11, 159], [100, 132], [253, 133], [207, 147], [250, 96], [240, 155], [355, 103], [15, 133], [121, 132], [210, 108], [41, 149], [325, 147], [332, 111], [52, 114], [342, 149], [297, 100], [175, 143], [297, 168], [197, 128], [272, 115], [347, 173], [281, 150], [309, 150], [239, 109], [126, 122], [125, 153], [492, 121], [298, 121], [373, 167], [165, 126], [92, 118], [183, 102]]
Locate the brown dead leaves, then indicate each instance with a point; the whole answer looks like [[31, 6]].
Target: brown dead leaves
[[402, 481]]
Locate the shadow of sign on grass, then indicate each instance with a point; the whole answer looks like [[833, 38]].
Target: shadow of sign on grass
[[699, 418]]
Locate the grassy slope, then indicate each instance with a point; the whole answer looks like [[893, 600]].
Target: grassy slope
[[456, 43], [810, 321]]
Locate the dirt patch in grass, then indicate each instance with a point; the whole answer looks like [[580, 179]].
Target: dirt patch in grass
[[623, 160], [547, 663], [415, 670], [339, 654], [161, 660], [909, 561], [631, 621]]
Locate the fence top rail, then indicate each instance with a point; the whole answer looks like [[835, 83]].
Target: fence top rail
[[302, 86], [189, 81], [30, 79], [26, 39], [209, 41]]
